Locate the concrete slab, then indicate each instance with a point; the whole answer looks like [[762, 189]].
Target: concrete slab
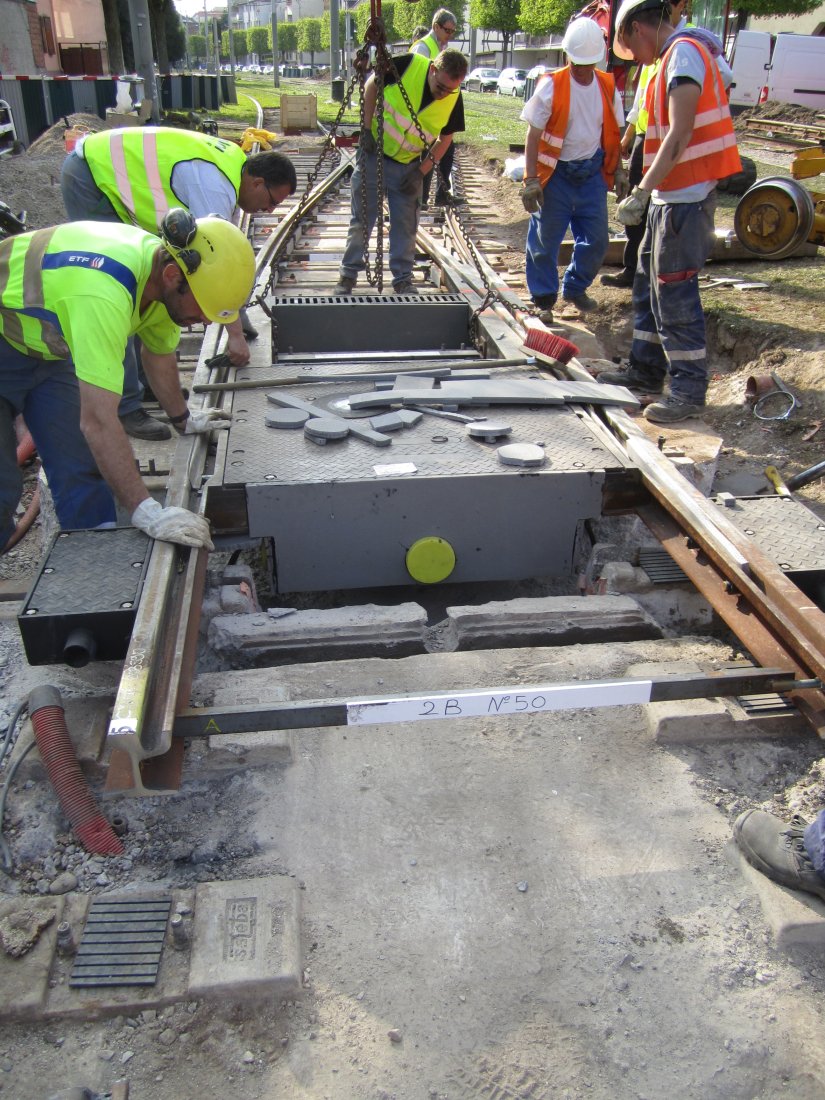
[[24, 979], [796, 919], [244, 638], [551, 620], [246, 939]]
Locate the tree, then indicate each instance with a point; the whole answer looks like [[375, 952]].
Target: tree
[[287, 38], [547, 16], [389, 13], [111, 21], [497, 15], [239, 41], [309, 37], [197, 46], [175, 35], [157, 20], [792, 8], [259, 41]]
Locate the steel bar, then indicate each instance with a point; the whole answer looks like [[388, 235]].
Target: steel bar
[[490, 702]]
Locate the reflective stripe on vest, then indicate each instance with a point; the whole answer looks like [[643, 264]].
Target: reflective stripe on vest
[[431, 42], [711, 153], [552, 138], [401, 138], [133, 168]]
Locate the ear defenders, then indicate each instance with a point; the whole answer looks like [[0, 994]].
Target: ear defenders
[[177, 231]]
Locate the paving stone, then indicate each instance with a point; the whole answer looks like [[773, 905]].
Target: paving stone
[[488, 429], [286, 418], [522, 454], [551, 620], [246, 940], [387, 422]]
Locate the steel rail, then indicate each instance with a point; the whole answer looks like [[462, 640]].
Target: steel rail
[[786, 613]]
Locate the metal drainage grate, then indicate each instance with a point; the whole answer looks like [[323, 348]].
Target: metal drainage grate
[[122, 942], [660, 566]]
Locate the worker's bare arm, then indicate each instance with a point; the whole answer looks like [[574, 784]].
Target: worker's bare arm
[[110, 445], [162, 372]]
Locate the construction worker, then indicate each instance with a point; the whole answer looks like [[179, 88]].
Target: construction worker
[[70, 298], [633, 142], [430, 45], [572, 156], [136, 174], [689, 145], [433, 88]]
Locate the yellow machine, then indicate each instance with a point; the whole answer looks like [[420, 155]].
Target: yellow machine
[[777, 214]]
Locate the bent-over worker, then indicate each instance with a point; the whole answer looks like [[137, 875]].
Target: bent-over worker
[[137, 174], [70, 298]]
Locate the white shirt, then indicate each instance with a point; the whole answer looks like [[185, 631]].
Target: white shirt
[[584, 123]]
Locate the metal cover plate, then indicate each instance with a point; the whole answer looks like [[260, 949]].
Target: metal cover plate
[[122, 942], [784, 529]]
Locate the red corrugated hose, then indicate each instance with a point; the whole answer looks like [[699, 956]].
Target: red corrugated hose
[[48, 720]]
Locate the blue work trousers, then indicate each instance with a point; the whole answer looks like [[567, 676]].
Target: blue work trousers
[[84, 201], [668, 321], [814, 841], [47, 395], [403, 186], [575, 196]]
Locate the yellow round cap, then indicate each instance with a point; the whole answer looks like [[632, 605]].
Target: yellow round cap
[[430, 560]]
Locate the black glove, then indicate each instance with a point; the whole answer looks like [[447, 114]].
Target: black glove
[[366, 143]]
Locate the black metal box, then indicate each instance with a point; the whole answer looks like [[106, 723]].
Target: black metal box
[[83, 603]]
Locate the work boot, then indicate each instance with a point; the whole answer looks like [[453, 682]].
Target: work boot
[[672, 410], [546, 316], [583, 302], [776, 848], [405, 287], [345, 285], [140, 425], [447, 198], [623, 279], [633, 377]]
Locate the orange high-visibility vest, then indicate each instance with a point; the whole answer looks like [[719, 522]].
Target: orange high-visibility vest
[[711, 153], [552, 137]]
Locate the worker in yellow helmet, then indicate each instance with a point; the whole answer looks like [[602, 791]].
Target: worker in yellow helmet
[[70, 298]]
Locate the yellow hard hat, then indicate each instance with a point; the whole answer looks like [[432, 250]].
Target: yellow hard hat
[[217, 260]]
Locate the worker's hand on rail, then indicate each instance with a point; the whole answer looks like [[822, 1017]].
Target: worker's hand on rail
[[206, 420], [632, 210], [237, 349], [532, 195], [621, 183], [366, 142], [172, 524]]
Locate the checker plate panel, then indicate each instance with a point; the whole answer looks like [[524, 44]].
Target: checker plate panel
[[785, 530]]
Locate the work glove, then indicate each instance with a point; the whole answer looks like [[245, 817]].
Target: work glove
[[621, 183], [532, 195], [413, 182], [171, 524], [632, 210], [366, 142], [206, 421]]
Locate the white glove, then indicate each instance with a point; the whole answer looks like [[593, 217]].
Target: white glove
[[621, 183], [206, 420], [632, 210], [172, 524]]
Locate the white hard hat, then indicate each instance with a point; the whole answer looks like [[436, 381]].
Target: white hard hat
[[627, 9], [583, 42]]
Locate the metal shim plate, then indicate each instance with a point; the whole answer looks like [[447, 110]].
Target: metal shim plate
[[122, 942]]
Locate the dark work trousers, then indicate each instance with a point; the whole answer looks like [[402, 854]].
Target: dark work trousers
[[443, 170], [635, 233]]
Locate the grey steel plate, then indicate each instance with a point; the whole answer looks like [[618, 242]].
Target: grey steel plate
[[784, 529], [344, 515], [122, 942]]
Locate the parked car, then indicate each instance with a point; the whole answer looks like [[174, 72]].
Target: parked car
[[511, 82], [481, 80]]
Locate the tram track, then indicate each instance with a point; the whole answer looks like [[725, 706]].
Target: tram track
[[781, 627]]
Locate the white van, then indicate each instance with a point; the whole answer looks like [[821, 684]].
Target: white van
[[789, 68]]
